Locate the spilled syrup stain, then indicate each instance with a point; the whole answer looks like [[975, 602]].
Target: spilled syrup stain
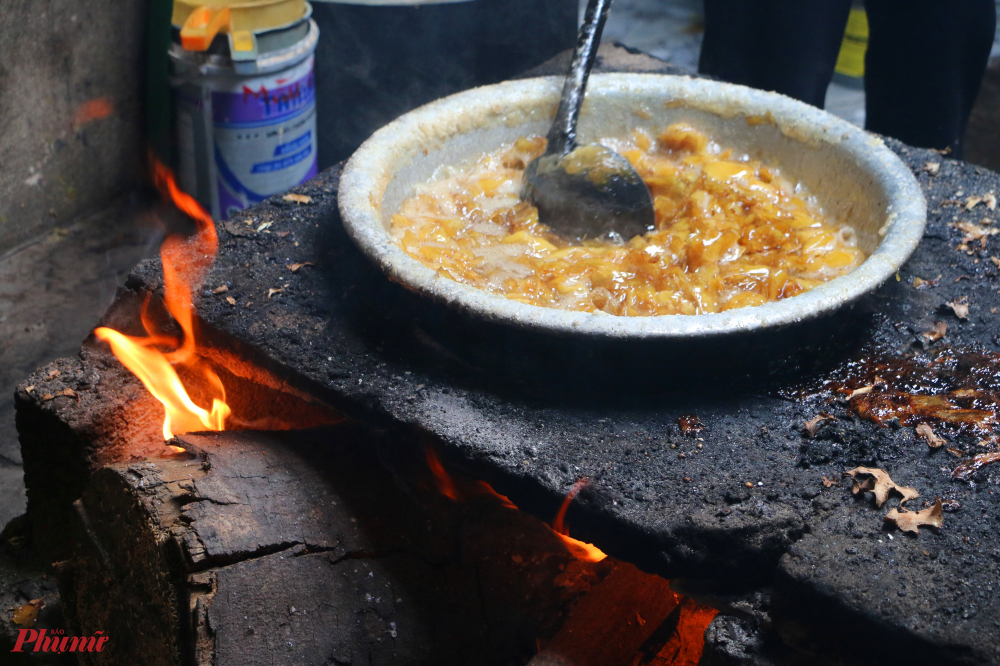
[[953, 389]]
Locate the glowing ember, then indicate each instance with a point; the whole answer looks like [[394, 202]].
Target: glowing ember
[[186, 262], [586, 552]]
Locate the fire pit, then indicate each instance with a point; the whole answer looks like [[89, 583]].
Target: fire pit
[[728, 482]]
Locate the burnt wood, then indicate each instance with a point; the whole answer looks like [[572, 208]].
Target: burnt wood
[[305, 548], [609, 625]]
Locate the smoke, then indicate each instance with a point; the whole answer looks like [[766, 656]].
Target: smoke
[[374, 63]]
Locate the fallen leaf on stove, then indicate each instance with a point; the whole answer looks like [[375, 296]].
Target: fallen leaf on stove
[[829, 483], [24, 616], [958, 453], [974, 231], [230, 300], [933, 441], [879, 482], [939, 331], [910, 521], [960, 307], [263, 226], [295, 267], [271, 292], [966, 469], [220, 290], [297, 198], [812, 425], [860, 391], [920, 283], [932, 167], [282, 234]]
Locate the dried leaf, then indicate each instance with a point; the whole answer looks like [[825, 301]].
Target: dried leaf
[[991, 201], [282, 234], [264, 226], [860, 391], [910, 521], [958, 453], [933, 441], [54, 373], [828, 483], [68, 392], [29, 389], [932, 167], [972, 201], [230, 300], [960, 306], [965, 470], [271, 292], [812, 425], [297, 198], [996, 261], [974, 231], [220, 290], [939, 331], [295, 267], [24, 616], [920, 283], [878, 481], [48, 396]]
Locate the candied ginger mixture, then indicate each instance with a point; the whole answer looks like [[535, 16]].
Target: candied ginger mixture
[[730, 233]]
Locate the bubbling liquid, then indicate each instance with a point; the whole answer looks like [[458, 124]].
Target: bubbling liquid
[[730, 232]]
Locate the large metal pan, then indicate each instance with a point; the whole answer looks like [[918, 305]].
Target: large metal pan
[[852, 174]]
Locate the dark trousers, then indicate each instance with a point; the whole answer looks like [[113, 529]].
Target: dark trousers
[[923, 68]]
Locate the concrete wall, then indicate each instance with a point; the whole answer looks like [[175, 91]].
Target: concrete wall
[[70, 109]]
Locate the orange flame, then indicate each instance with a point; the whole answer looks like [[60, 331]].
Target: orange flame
[[186, 262], [581, 550]]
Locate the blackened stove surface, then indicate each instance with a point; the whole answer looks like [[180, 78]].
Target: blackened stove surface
[[741, 502]]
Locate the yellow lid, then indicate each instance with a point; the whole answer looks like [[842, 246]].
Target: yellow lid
[[201, 20], [851, 59]]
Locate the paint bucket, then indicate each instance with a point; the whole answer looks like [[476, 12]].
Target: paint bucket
[[244, 100]]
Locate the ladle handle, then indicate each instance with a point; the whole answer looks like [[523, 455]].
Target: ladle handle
[[562, 135]]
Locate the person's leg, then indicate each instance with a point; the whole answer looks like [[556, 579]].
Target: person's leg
[[789, 46], [925, 62]]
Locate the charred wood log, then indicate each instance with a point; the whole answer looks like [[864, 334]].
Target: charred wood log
[[304, 547]]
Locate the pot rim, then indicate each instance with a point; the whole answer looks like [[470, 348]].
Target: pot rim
[[369, 171]]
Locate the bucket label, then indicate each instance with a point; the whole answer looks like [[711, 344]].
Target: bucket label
[[264, 134]]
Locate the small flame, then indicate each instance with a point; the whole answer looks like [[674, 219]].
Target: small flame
[[442, 480], [581, 550], [186, 262]]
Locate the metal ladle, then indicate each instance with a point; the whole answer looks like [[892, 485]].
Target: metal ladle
[[587, 191]]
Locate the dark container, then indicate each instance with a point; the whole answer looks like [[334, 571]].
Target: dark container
[[376, 62]]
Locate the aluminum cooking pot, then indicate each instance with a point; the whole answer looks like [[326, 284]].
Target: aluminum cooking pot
[[852, 174]]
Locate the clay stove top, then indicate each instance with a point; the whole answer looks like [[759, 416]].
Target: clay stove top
[[741, 502]]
